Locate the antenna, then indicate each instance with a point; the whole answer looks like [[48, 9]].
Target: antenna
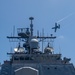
[[11, 50], [31, 25], [59, 50], [51, 41], [42, 38], [38, 33], [13, 30]]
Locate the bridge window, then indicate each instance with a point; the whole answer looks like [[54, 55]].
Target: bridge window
[[16, 58], [21, 58]]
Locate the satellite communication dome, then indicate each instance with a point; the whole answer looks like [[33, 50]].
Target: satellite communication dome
[[34, 40], [21, 49], [48, 50], [34, 43]]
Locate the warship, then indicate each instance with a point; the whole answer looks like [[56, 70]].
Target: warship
[[28, 58]]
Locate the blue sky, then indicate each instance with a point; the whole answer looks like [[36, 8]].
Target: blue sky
[[46, 13]]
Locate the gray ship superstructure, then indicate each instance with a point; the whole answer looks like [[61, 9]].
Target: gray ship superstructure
[[30, 60]]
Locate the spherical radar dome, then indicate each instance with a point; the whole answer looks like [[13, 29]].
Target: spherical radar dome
[[34, 40]]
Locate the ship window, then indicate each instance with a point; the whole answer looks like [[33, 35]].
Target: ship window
[[55, 68], [48, 68], [16, 58], [26, 58], [21, 58]]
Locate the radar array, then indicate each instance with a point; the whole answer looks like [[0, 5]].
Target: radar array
[[30, 42]]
